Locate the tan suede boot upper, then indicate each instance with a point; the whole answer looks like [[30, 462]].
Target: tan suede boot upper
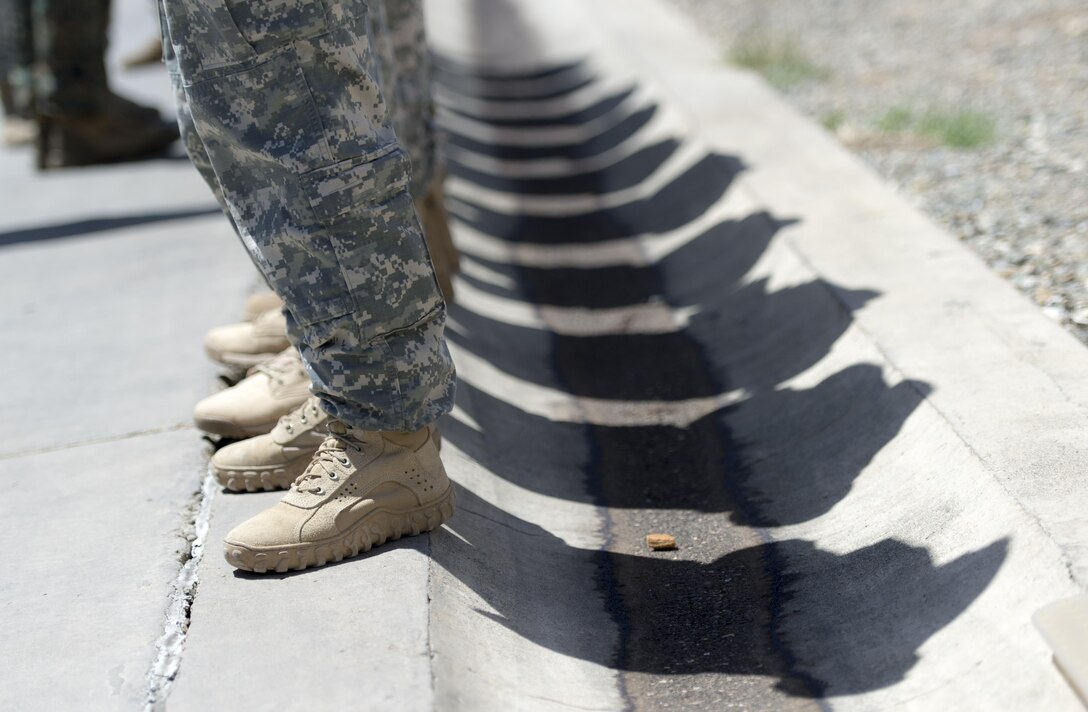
[[276, 459], [253, 406], [248, 343], [360, 490]]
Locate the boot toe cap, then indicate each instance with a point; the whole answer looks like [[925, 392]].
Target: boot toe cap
[[230, 337], [255, 453], [274, 527]]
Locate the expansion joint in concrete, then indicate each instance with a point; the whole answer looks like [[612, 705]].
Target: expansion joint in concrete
[[430, 612], [171, 644]]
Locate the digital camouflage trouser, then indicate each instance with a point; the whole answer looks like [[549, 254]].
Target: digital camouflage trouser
[[282, 110]]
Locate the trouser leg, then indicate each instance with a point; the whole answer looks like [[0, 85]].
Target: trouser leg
[[190, 137], [70, 38], [16, 45], [401, 45], [286, 102]]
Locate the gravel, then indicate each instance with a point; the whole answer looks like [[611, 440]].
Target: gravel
[[1019, 200]]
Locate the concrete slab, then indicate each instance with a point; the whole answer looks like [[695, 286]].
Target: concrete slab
[[110, 276], [1011, 383], [111, 325], [518, 619], [845, 476], [347, 636], [92, 537]]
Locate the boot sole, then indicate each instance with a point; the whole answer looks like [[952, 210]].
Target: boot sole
[[279, 478], [375, 529]]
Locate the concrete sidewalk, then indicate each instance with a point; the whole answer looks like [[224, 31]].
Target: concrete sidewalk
[[683, 309]]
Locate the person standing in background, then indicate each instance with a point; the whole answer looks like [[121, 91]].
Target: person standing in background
[[55, 76]]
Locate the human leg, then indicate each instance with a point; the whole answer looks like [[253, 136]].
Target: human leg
[[288, 107], [414, 120], [81, 121], [296, 130]]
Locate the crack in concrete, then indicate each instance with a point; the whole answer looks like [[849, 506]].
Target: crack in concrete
[[171, 643], [431, 653]]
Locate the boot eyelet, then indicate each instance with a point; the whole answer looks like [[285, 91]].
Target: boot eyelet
[[289, 428], [334, 477], [343, 461], [318, 490]]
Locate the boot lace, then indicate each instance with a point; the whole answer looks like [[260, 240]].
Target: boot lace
[[277, 367], [329, 463], [302, 416]]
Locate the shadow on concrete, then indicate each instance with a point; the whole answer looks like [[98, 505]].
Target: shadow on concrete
[[732, 615], [106, 224], [818, 621]]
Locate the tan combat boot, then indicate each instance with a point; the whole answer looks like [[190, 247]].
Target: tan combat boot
[[276, 459], [360, 490], [260, 302], [248, 343], [254, 404]]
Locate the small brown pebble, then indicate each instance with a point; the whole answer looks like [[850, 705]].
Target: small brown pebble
[[661, 542]]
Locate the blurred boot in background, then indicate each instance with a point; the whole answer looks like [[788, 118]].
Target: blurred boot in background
[[16, 58], [80, 120]]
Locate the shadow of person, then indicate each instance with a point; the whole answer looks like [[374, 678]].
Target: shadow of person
[[684, 199], [796, 453], [732, 334], [845, 624], [783, 458], [817, 621]]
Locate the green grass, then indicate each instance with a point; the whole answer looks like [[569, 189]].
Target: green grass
[[956, 129], [895, 120], [833, 119], [780, 62], [959, 129]]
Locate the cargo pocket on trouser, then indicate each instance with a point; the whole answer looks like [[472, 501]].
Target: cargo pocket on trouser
[[401, 380], [261, 131], [385, 367], [211, 37]]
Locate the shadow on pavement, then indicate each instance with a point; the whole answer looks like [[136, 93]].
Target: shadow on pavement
[[776, 454], [731, 615], [86, 227]]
